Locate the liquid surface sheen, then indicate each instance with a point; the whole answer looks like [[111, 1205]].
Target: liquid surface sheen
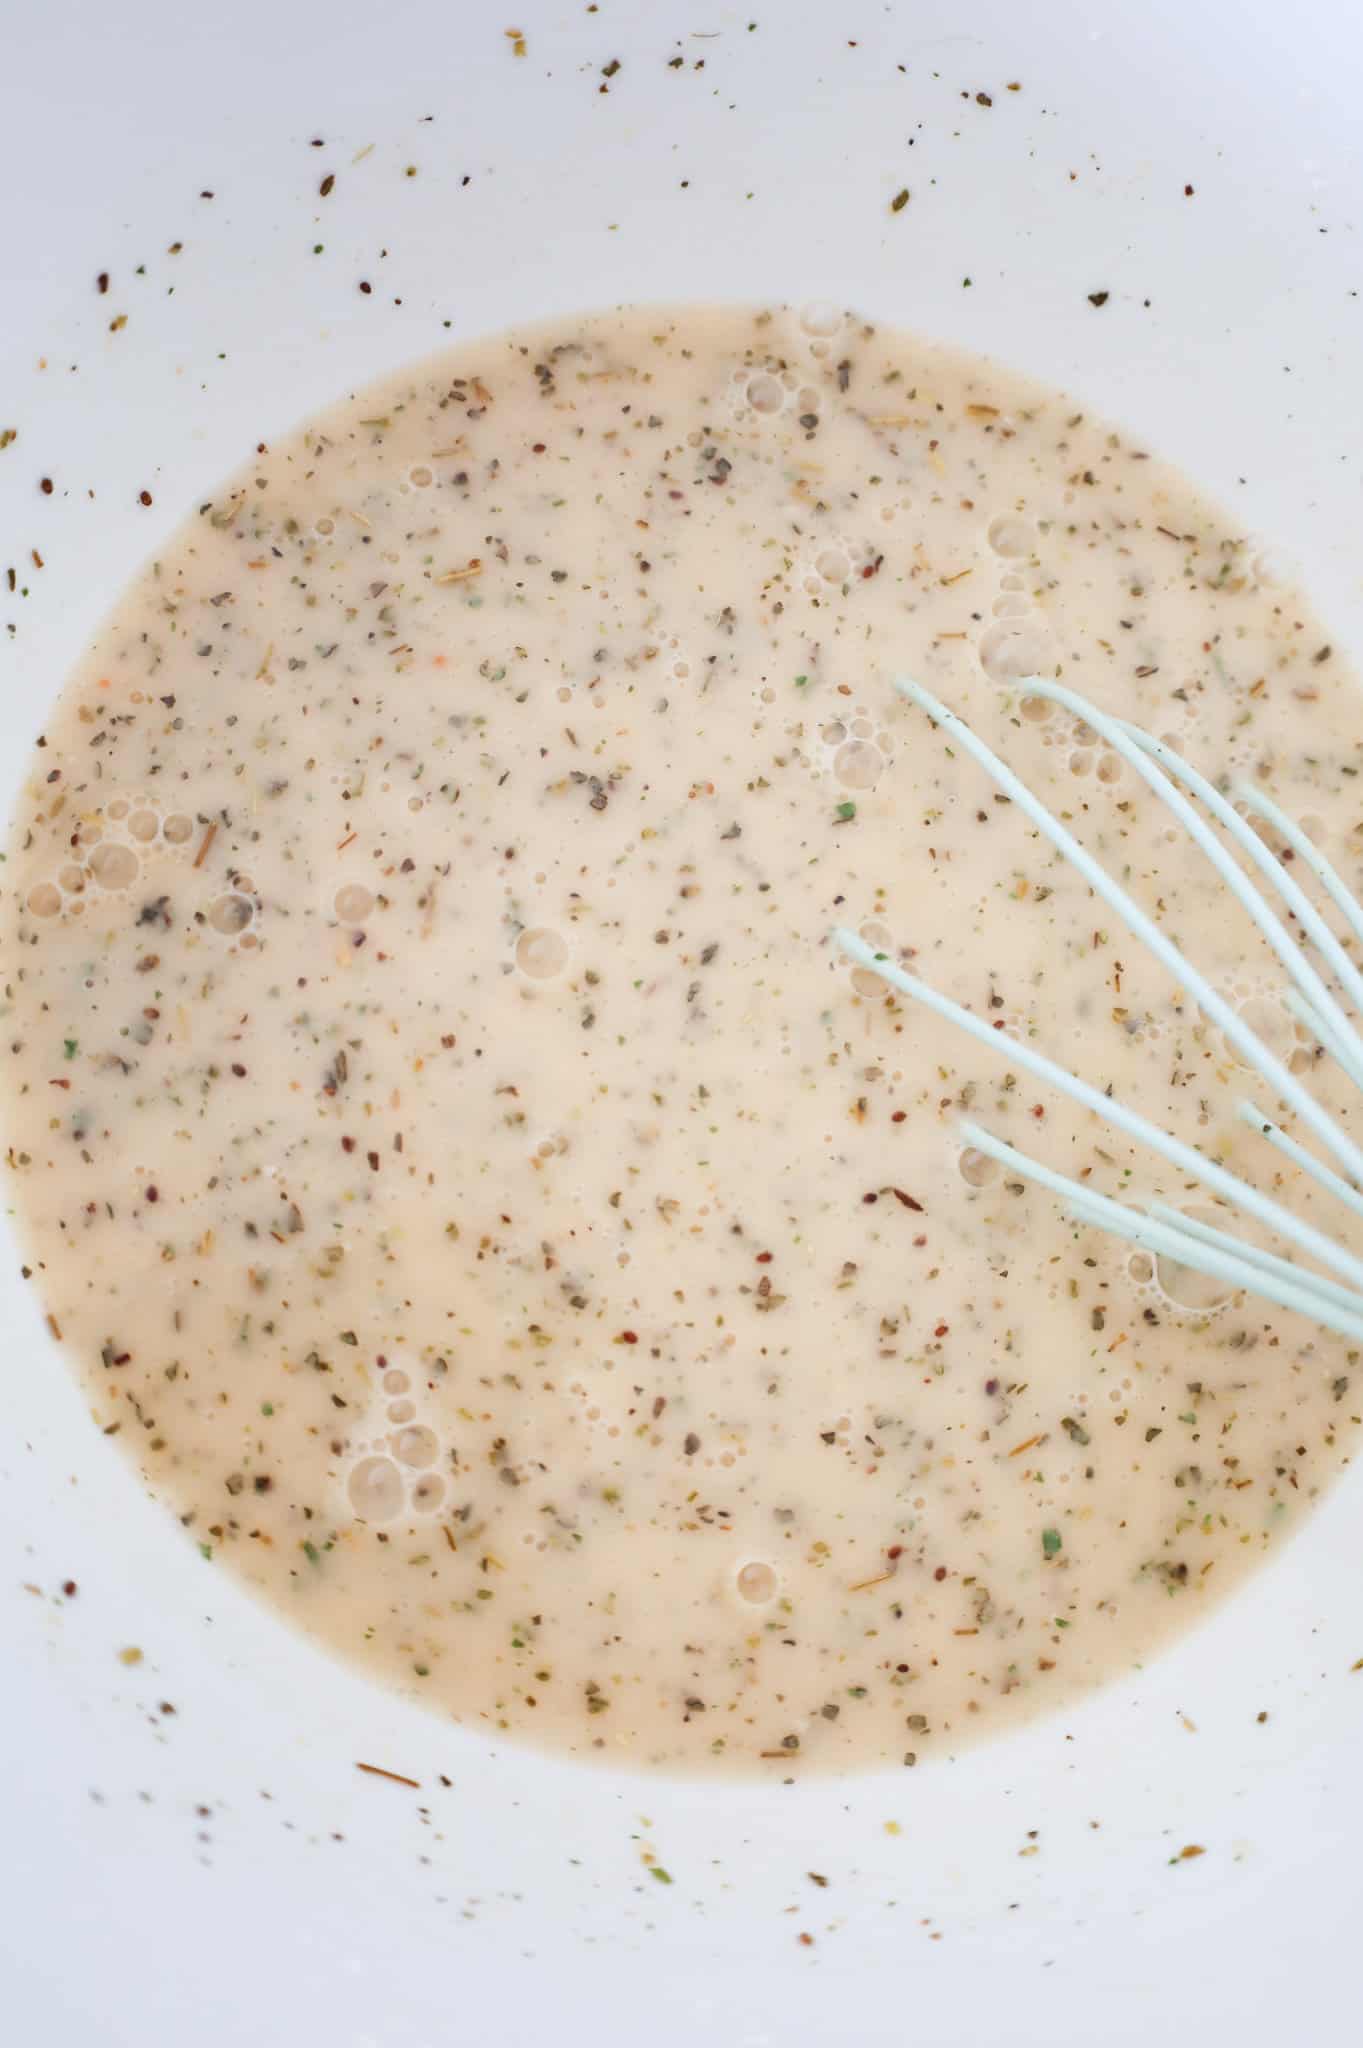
[[472, 1186]]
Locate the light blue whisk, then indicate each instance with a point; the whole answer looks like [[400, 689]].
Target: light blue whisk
[[1158, 1228]]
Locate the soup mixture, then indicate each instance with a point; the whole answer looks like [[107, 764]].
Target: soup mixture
[[477, 1193]]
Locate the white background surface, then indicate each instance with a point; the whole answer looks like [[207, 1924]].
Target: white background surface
[[224, 1874]]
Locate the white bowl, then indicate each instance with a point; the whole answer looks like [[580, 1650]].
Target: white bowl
[[224, 1873]]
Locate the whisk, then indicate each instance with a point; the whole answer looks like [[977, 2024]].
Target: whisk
[[1158, 1228]]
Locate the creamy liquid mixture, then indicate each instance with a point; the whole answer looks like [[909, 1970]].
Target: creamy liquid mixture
[[477, 1193]]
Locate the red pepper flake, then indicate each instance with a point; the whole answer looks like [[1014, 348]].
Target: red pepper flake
[[373, 1159], [1098, 298], [366, 288], [628, 1337], [347, 1144], [764, 1258], [941, 1329], [327, 185], [144, 497], [805, 1940], [907, 1201], [895, 1550], [1037, 1111], [899, 1116], [102, 282], [70, 1588], [870, 1199], [153, 1194], [45, 486]]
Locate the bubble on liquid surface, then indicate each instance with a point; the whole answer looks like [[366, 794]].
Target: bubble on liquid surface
[[420, 476], [401, 1410], [395, 1381], [143, 826], [833, 565], [45, 899], [1012, 650], [353, 902], [72, 879], [1184, 1286], [416, 1446], [428, 1493], [857, 764], [821, 318], [178, 828], [541, 953], [1012, 605], [1011, 536], [230, 914], [864, 980], [114, 867], [765, 394], [977, 1169], [1276, 1029], [756, 1582], [375, 1489]]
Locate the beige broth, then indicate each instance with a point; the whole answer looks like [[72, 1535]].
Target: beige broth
[[475, 1191]]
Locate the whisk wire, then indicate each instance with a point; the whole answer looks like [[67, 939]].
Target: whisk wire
[[1159, 1228], [1199, 988]]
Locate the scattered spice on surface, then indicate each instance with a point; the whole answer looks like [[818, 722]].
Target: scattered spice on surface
[[459, 1160]]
